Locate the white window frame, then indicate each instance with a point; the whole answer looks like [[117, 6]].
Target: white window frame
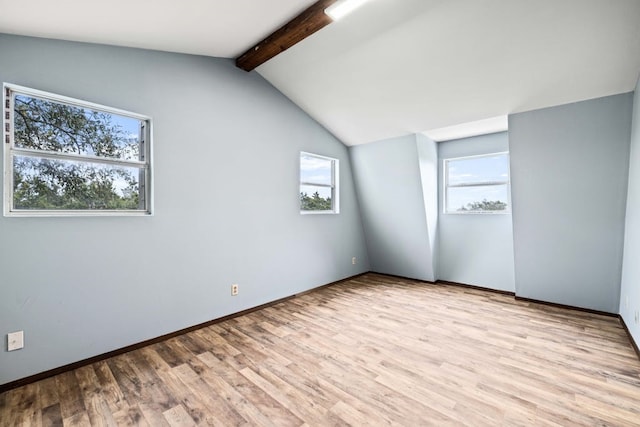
[[10, 150], [446, 185], [334, 186]]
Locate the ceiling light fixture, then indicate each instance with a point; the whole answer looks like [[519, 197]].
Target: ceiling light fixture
[[342, 8]]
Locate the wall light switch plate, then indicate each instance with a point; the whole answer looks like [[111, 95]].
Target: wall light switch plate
[[15, 341]]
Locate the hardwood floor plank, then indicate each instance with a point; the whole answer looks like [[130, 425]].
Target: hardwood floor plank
[[171, 352], [350, 415], [109, 390], [373, 350], [52, 416], [126, 379], [218, 410], [181, 394], [153, 415], [243, 404], [98, 411], [291, 413], [48, 392], [96, 406], [153, 388], [78, 419], [71, 402], [386, 409], [130, 417], [178, 417], [611, 412]]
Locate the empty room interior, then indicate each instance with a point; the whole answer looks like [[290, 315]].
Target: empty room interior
[[334, 212]]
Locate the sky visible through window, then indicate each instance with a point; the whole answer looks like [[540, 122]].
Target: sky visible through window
[[50, 114], [317, 171], [131, 128], [129, 125], [477, 170]]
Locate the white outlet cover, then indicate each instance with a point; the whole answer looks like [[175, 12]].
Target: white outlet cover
[[15, 341]]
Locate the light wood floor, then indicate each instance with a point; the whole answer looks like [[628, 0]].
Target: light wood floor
[[373, 351]]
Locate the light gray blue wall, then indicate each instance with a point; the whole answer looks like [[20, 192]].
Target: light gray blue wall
[[388, 181], [428, 162], [630, 290], [226, 209], [569, 174], [475, 249]]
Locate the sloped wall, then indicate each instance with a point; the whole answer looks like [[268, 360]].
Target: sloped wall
[[630, 291], [394, 210]]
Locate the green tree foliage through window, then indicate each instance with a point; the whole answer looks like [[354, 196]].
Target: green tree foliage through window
[[52, 184], [68, 157], [318, 184], [315, 202], [484, 205]]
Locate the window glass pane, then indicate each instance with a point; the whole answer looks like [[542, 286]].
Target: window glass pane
[[313, 198], [478, 170], [42, 124], [486, 198], [40, 183], [315, 170]]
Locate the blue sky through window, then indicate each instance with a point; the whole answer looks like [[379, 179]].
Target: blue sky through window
[[125, 138], [465, 177], [474, 170], [315, 170]]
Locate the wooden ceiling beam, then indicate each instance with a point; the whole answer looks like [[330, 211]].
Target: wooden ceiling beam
[[299, 28]]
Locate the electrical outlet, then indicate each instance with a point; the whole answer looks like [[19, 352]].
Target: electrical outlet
[[637, 317], [15, 341], [234, 289], [353, 260]]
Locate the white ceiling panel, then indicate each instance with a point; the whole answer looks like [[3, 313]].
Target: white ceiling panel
[[220, 28], [391, 67], [402, 66]]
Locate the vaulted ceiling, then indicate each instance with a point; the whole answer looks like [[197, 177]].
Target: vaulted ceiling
[[393, 66]]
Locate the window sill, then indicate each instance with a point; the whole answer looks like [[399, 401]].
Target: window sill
[[318, 213], [477, 213], [79, 213]]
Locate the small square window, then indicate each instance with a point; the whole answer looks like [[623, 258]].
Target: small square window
[[65, 156], [478, 184], [318, 184]]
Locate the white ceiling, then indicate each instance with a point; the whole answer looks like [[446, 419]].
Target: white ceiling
[[222, 28], [392, 67], [404, 66]]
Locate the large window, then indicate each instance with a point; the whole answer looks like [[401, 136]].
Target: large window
[[318, 184], [64, 156], [478, 184]]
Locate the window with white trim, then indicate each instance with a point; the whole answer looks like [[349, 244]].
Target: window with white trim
[[64, 156], [318, 184], [477, 184]]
